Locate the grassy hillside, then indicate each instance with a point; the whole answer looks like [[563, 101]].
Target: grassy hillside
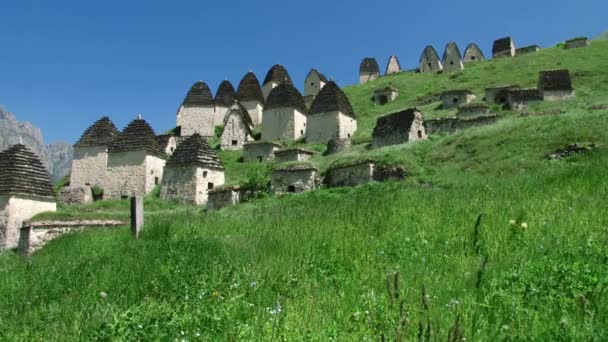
[[323, 265]]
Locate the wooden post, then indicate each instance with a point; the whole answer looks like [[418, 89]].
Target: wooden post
[[137, 215]]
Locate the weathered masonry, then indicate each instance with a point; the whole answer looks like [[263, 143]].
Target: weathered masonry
[[259, 151], [354, 174], [191, 172], [452, 60], [473, 110], [196, 114], [91, 154], [368, 70], [284, 114], [527, 49], [453, 124], [25, 190], [499, 95], [168, 142], [473, 54], [399, 128], [237, 128], [393, 66], [575, 43], [385, 95], [455, 98], [223, 100], [331, 116], [249, 94], [293, 179], [315, 81], [503, 47], [429, 61], [223, 197], [292, 155], [556, 85], [276, 75], [523, 98], [135, 162]]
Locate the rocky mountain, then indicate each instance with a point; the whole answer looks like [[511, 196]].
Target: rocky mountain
[[56, 157]]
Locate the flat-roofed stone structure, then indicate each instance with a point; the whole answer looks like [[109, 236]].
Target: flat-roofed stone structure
[[452, 59], [521, 99], [91, 154], [224, 97], [473, 54], [337, 145], [237, 128], [223, 196], [292, 155], [314, 82], [429, 61], [499, 95], [72, 195], [556, 85], [135, 162], [473, 110], [385, 95], [197, 112], [293, 179], [259, 151], [393, 66], [456, 97], [454, 124], [576, 43], [191, 172], [276, 75], [527, 49], [399, 128], [353, 174], [25, 191], [368, 70], [284, 114], [503, 47], [331, 116], [249, 94]]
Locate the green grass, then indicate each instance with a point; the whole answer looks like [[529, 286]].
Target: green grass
[[314, 266]]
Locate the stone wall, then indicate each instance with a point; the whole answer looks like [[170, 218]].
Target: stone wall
[[283, 123], [451, 125], [196, 120], [455, 99], [293, 181], [259, 152], [313, 85], [577, 43], [235, 134], [350, 175], [367, 77], [558, 95], [330, 125], [267, 88], [89, 166], [254, 108], [190, 184], [75, 195], [132, 173], [219, 115], [337, 146], [219, 199], [16, 209], [291, 155]]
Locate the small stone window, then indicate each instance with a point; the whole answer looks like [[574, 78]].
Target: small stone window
[[301, 132], [260, 159], [383, 99], [472, 58], [430, 65], [234, 142], [151, 172], [156, 180], [209, 186], [291, 188], [204, 174], [312, 84], [419, 134], [455, 100], [172, 149]]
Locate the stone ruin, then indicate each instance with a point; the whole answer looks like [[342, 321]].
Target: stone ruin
[[393, 66], [521, 99], [224, 97], [556, 85], [499, 95], [224, 196], [314, 82], [191, 172], [259, 151], [70, 195], [331, 116], [292, 155], [429, 61], [455, 98], [337, 145], [399, 128], [135, 162], [575, 43], [368, 70], [503, 47], [197, 112], [276, 75], [237, 128], [90, 159], [473, 54], [527, 49], [284, 114], [354, 174], [473, 110], [452, 60], [25, 191], [385, 95], [454, 124], [293, 179], [249, 94]]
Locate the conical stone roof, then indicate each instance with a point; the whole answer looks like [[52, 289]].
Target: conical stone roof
[[22, 172], [225, 94], [331, 99], [278, 74], [137, 136], [249, 89], [199, 95], [369, 66], [101, 133], [195, 151], [285, 96]]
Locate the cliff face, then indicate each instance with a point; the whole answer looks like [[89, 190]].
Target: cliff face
[[56, 157]]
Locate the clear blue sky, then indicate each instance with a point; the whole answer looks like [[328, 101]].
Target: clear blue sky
[[63, 64]]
